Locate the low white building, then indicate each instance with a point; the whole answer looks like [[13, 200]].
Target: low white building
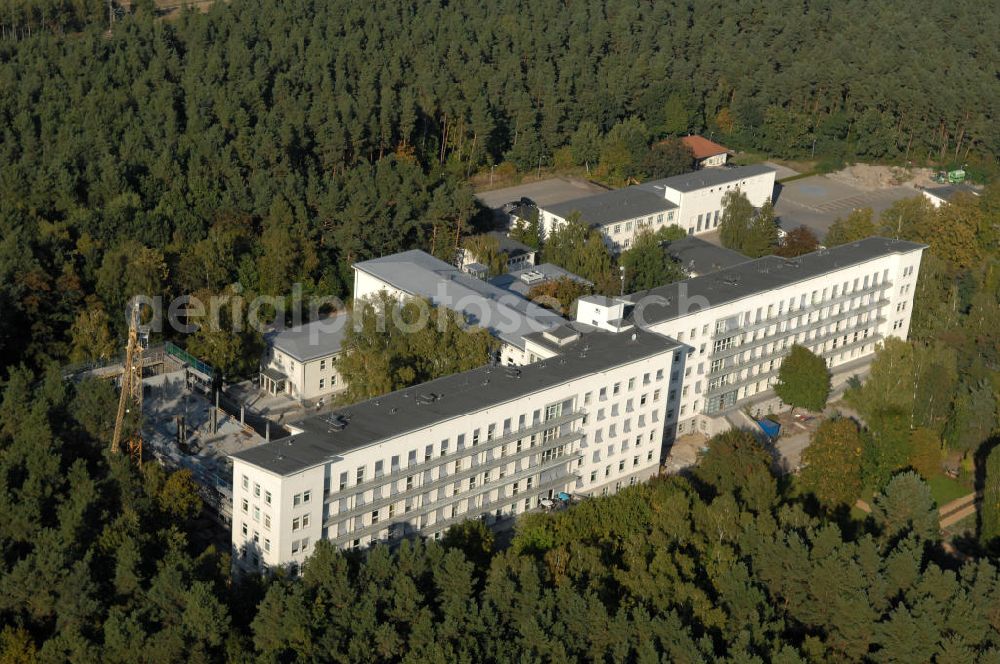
[[508, 316], [488, 444], [519, 256], [692, 201], [707, 154], [942, 195], [299, 360]]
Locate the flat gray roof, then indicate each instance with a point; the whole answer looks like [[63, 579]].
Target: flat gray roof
[[316, 339], [701, 257], [612, 206], [945, 192], [756, 276], [602, 300], [325, 437], [708, 177], [505, 314], [550, 272], [509, 245], [648, 198]]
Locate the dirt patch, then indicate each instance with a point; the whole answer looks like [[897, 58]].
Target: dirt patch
[[870, 177]]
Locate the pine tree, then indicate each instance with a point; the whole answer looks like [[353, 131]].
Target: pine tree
[[989, 517]]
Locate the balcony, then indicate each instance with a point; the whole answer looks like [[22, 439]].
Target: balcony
[[871, 323], [808, 327], [795, 313], [746, 380], [468, 451], [364, 507], [504, 499]]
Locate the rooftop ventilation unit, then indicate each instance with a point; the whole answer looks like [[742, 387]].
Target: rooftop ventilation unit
[[336, 422], [532, 277]]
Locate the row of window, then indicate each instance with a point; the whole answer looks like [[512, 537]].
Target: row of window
[[552, 411], [621, 467], [708, 217], [616, 388], [642, 223], [629, 406], [610, 451], [256, 513], [626, 427], [256, 538], [816, 297], [256, 490]]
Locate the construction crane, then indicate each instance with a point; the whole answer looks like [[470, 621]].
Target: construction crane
[[131, 395]]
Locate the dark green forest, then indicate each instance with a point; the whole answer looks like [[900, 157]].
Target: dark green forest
[[103, 562], [271, 143], [264, 144]]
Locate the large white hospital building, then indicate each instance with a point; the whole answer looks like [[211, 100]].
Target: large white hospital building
[[589, 412]]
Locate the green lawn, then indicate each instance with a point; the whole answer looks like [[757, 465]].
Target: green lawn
[[944, 489]]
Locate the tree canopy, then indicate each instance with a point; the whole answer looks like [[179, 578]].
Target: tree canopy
[[391, 345], [803, 380], [743, 228], [318, 138]]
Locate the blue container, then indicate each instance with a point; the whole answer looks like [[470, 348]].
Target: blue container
[[769, 427]]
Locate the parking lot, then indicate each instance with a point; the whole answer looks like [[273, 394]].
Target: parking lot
[[818, 201], [542, 192]]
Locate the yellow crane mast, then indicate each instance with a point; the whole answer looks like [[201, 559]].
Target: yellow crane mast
[[131, 394]]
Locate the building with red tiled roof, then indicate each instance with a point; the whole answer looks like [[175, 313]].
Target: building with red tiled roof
[[706, 153]]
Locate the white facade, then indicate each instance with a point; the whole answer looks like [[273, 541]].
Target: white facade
[[700, 210], [305, 381], [692, 201], [587, 416], [619, 235], [714, 160], [592, 433], [733, 350]]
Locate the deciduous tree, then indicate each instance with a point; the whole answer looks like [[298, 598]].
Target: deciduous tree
[[833, 463], [798, 241], [803, 380], [856, 226]]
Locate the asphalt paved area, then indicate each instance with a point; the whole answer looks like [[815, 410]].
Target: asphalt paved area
[[816, 202], [542, 192]]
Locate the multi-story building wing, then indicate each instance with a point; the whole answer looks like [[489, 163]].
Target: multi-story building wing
[[489, 443], [738, 323], [506, 315], [693, 201]]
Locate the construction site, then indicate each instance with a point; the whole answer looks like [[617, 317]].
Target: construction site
[[172, 411]]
